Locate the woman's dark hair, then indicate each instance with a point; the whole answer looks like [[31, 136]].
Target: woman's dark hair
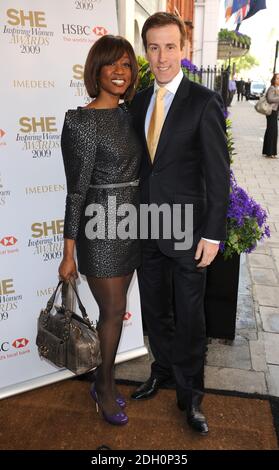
[[272, 81], [103, 52], [160, 19]]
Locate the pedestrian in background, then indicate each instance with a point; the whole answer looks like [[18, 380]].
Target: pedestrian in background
[[240, 89], [247, 87], [232, 90], [271, 133]]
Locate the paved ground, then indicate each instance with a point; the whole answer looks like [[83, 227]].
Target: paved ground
[[260, 176], [250, 363]]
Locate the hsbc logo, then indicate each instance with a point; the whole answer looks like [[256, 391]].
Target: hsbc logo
[[20, 343], [127, 316], [8, 241], [76, 29], [100, 31], [2, 133], [8, 246]]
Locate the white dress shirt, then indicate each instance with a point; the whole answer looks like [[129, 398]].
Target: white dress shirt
[[171, 88]]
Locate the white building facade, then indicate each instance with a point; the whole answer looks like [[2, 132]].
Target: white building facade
[[131, 17], [206, 29]]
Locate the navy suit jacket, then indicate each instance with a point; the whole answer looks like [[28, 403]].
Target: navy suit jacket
[[191, 164]]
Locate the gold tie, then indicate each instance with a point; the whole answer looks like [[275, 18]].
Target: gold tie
[[156, 122]]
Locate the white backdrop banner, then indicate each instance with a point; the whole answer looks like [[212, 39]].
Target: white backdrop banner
[[43, 46]]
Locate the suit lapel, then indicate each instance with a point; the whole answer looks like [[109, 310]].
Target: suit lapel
[[146, 101], [171, 118]]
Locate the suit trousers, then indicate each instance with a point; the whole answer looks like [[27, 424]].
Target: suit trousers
[[172, 302]]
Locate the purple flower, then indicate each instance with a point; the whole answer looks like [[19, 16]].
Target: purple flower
[[267, 231], [226, 113], [242, 206], [187, 64], [246, 222]]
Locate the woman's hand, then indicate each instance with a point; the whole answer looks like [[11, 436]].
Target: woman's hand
[[67, 269]]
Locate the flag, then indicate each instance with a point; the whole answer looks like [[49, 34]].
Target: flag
[[228, 9], [255, 6], [242, 12], [239, 4]]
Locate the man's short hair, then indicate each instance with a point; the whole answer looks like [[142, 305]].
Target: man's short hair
[[160, 19]]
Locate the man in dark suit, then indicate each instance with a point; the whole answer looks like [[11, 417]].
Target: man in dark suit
[[240, 89], [247, 87], [185, 162]]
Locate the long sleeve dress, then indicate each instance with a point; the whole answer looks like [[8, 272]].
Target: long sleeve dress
[[101, 156]]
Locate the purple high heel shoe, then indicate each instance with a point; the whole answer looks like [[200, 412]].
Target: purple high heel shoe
[[119, 400], [117, 418]]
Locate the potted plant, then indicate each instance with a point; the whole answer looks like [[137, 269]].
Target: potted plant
[[190, 70], [232, 44], [246, 226], [145, 76]]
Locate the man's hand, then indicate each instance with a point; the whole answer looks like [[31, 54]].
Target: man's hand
[[207, 252]]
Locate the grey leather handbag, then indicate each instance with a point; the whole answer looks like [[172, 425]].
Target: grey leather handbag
[[65, 338], [263, 106]]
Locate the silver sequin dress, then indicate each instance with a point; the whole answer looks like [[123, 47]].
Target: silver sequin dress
[[100, 147]]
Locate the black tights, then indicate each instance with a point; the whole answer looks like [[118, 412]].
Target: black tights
[[110, 295]]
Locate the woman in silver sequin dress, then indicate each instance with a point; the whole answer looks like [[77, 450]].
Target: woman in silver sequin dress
[[101, 156]]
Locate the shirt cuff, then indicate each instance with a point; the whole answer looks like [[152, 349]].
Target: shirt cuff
[[216, 242]]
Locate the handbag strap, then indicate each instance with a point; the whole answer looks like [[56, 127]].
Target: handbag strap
[[80, 304], [52, 298]]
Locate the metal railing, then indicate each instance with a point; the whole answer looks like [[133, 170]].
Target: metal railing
[[215, 78]]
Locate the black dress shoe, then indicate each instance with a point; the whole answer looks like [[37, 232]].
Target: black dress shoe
[[197, 420], [148, 389]]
